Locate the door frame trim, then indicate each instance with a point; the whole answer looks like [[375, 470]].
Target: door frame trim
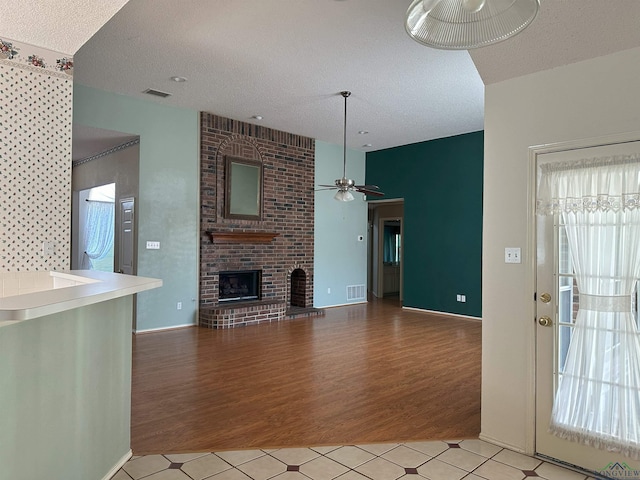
[[533, 153]]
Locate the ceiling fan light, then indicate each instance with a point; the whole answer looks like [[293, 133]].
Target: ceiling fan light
[[466, 24], [343, 196]]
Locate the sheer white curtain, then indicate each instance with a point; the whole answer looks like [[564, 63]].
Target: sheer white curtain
[[598, 398], [98, 233]]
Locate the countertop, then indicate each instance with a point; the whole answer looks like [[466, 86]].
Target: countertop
[[108, 286]]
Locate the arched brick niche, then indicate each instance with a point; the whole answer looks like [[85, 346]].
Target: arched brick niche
[[287, 211], [298, 288]]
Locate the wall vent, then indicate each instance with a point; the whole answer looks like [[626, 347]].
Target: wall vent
[[356, 292], [157, 93]]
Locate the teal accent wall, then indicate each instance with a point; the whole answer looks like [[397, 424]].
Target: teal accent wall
[[339, 258], [441, 184], [168, 206]]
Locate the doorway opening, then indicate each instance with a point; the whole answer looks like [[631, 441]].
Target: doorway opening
[[391, 257], [96, 221], [105, 157], [384, 272]]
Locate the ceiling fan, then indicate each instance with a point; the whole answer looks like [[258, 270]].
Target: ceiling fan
[[344, 185]]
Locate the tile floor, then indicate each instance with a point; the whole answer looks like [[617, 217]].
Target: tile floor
[[435, 460]]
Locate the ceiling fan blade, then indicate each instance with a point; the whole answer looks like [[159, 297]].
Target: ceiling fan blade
[[368, 187], [330, 186], [327, 188], [369, 192]]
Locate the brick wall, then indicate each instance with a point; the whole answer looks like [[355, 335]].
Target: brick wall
[[287, 209]]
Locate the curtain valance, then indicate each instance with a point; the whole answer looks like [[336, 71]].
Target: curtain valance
[[589, 185]]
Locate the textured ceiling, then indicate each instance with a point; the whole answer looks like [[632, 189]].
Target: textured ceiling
[[59, 25], [287, 60], [564, 32], [88, 141]]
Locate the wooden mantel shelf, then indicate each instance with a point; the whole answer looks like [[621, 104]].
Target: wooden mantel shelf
[[242, 237]]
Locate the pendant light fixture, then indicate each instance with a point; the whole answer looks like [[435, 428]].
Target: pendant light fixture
[[466, 24]]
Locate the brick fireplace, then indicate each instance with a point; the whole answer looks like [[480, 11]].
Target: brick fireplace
[[279, 244]]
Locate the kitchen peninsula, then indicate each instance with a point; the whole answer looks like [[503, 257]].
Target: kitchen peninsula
[[65, 373]]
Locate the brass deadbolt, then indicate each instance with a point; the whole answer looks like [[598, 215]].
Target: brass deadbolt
[[545, 298]]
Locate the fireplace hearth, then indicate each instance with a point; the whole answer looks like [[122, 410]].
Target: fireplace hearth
[[240, 286]]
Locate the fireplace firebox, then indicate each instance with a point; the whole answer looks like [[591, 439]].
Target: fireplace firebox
[[240, 285]]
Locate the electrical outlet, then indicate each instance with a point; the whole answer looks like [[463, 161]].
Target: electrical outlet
[[329, 290], [47, 248], [512, 255], [179, 306], [153, 245]]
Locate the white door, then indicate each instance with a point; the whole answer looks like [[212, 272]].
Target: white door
[[556, 300], [126, 244]]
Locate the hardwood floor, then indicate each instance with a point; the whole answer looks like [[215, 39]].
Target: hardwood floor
[[360, 374]]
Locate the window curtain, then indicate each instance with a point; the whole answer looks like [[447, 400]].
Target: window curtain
[[598, 397], [99, 232]]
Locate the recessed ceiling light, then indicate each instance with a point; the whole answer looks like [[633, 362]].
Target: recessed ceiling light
[[179, 79], [367, 145], [257, 117], [363, 132]]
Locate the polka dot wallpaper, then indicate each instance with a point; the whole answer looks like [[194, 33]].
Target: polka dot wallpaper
[[35, 160]]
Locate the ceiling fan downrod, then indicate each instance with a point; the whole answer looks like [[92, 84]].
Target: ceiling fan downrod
[[346, 95], [345, 186]]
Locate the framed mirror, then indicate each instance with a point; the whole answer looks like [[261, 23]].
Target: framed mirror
[[243, 189]]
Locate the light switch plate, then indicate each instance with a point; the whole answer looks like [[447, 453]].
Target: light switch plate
[[512, 255], [153, 245]]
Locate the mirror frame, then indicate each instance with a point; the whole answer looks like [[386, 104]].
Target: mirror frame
[[229, 186]]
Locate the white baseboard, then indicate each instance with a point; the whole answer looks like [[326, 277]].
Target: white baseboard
[[172, 327], [343, 304], [118, 465], [489, 439], [444, 314]]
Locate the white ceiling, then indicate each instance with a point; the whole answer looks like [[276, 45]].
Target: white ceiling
[[59, 25], [564, 32], [287, 60], [88, 141]]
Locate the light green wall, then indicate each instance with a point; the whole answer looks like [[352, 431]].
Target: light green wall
[[168, 208], [65, 383], [339, 258]]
